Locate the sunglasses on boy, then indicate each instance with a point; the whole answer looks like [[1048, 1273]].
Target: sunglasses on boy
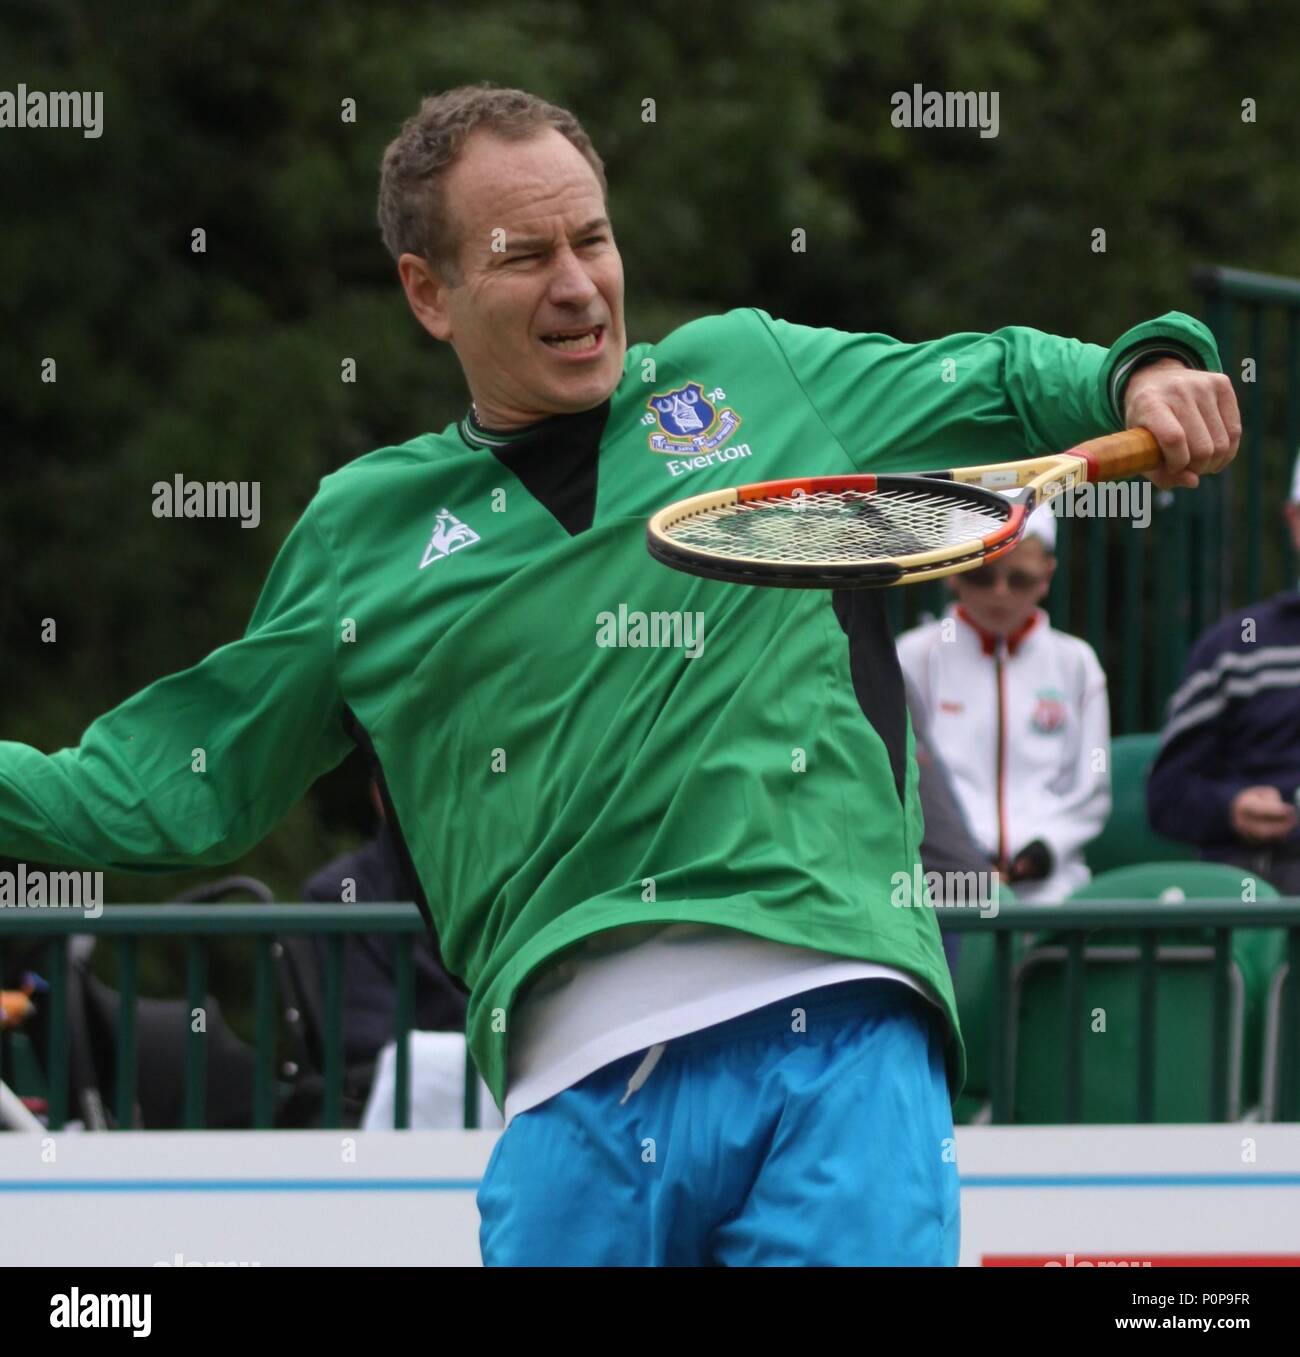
[[1018, 581]]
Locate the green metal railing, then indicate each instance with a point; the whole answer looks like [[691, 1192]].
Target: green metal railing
[[1140, 597], [198, 924], [1149, 918], [1235, 534]]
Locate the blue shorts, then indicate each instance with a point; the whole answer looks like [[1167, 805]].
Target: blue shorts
[[762, 1140]]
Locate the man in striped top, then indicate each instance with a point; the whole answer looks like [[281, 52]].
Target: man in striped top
[[1228, 770]]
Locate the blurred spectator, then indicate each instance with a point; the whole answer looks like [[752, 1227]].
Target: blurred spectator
[[370, 959], [1017, 712], [1228, 769]]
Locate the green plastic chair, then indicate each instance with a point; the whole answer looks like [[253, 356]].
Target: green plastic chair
[[1128, 837], [1184, 1005]]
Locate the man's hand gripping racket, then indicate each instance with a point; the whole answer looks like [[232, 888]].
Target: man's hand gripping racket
[[867, 532]]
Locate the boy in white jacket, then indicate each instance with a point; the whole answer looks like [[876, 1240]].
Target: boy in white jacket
[[1019, 715]]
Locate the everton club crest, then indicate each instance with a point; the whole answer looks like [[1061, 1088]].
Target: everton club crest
[[689, 421]]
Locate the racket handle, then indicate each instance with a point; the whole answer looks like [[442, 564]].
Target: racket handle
[[1119, 454]]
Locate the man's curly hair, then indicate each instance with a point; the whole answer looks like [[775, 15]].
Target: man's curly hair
[[413, 212]]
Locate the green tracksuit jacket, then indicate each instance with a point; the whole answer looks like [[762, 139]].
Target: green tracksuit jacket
[[571, 736]]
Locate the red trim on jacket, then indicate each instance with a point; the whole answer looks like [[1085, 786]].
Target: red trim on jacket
[[989, 645], [989, 640]]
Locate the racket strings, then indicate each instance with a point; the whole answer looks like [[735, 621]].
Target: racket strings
[[834, 527]]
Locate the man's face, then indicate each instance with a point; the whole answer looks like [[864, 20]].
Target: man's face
[[1000, 597], [536, 312]]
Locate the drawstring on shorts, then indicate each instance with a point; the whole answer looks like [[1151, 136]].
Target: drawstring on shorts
[[643, 1071]]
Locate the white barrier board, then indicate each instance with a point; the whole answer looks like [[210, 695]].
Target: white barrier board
[[1073, 1196]]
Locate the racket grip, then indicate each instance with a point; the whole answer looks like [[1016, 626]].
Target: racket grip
[[1119, 454]]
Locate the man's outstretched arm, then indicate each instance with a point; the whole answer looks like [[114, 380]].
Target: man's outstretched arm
[[971, 398], [198, 767]]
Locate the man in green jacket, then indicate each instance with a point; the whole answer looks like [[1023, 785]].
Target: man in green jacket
[[656, 820]]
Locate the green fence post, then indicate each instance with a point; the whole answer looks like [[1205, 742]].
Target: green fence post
[[1217, 544], [1180, 621], [58, 1035], [332, 1113], [264, 1034], [471, 1089], [1169, 624], [196, 1036], [1131, 698], [1000, 1071], [1291, 431], [1147, 1028], [1219, 1029], [126, 1044], [1101, 535], [1255, 453], [1289, 1040], [1243, 511], [1074, 1025], [405, 1008]]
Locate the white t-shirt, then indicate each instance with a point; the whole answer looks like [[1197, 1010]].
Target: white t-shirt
[[630, 988]]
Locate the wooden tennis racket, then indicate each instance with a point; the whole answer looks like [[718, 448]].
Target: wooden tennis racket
[[868, 532]]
